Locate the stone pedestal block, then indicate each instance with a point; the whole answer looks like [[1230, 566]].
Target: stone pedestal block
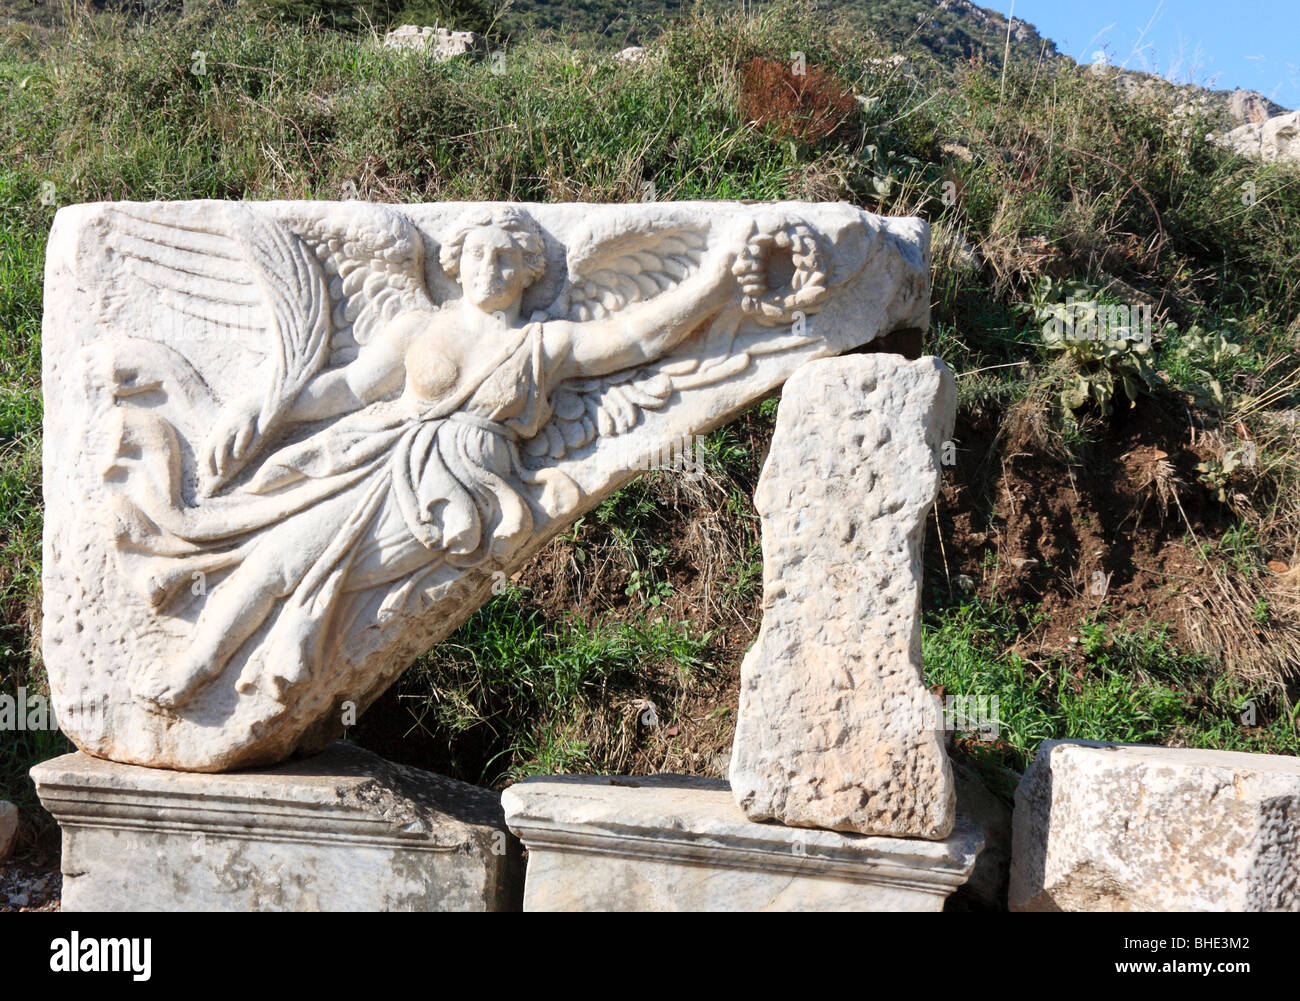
[[341, 831], [1127, 827], [680, 843]]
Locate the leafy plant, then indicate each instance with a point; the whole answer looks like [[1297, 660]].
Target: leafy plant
[[1217, 474], [1101, 366], [1200, 359], [890, 169], [646, 578], [1100, 356]]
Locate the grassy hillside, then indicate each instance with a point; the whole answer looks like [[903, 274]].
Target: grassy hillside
[[947, 32], [1116, 551]]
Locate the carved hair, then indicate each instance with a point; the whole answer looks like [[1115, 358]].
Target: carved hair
[[523, 231]]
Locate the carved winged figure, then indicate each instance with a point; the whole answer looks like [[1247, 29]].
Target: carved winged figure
[[387, 442]]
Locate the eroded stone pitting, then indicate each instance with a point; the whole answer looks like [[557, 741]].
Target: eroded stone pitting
[[836, 728]]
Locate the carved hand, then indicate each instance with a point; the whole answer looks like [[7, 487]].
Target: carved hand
[[749, 271], [230, 442], [735, 261]]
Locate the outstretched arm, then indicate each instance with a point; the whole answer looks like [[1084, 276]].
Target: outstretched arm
[[378, 371], [641, 333]]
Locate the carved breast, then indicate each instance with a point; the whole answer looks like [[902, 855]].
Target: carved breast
[[432, 367]]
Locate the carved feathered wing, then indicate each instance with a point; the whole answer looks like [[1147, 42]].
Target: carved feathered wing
[[254, 276], [609, 276], [629, 264], [585, 409], [304, 295], [610, 268], [200, 274], [374, 263]]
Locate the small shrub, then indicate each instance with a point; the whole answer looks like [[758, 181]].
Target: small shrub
[[808, 106]]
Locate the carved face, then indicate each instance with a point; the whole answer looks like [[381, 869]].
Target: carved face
[[492, 270]]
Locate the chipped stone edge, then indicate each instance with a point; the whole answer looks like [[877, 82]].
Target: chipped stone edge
[[358, 810], [718, 835]]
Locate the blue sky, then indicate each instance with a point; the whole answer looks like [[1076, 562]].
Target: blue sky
[[1250, 44]]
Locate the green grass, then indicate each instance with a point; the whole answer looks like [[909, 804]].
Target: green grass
[[1123, 685], [527, 695], [23, 222]]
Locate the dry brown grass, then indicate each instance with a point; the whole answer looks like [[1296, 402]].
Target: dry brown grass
[[808, 106], [1155, 482], [1252, 627]]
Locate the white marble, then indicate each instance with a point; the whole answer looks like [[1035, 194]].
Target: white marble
[[291, 445], [836, 727], [680, 843], [341, 831], [1128, 827], [440, 44]]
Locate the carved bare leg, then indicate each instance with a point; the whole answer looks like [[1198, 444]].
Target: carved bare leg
[[233, 612]]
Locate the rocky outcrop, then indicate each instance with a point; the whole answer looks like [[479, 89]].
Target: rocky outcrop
[[441, 43], [1278, 138], [1252, 107]]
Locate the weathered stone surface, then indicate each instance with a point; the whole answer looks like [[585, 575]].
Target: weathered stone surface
[[1115, 827], [8, 828], [341, 831], [836, 727], [1276, 138], [679, 843], [1250, 106], [441, 43], [294, 444]]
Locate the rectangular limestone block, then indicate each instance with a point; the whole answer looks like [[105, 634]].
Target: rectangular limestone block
[[341, 831], [1127, 827], [679, 843], [836, 727]]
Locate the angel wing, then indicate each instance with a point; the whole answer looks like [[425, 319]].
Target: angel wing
[[620, 263], [199, 273], [646, 264], [374, 262], [304, 294], [612, 405], [252, 276]]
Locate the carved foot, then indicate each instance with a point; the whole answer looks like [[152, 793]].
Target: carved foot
[[276, 682], [172, 687]]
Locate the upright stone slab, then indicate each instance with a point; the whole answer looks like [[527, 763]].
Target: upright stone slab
[[341, 831], [291, 445], [836, 727], [1127, 827], [679, 843], [8, 828]]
